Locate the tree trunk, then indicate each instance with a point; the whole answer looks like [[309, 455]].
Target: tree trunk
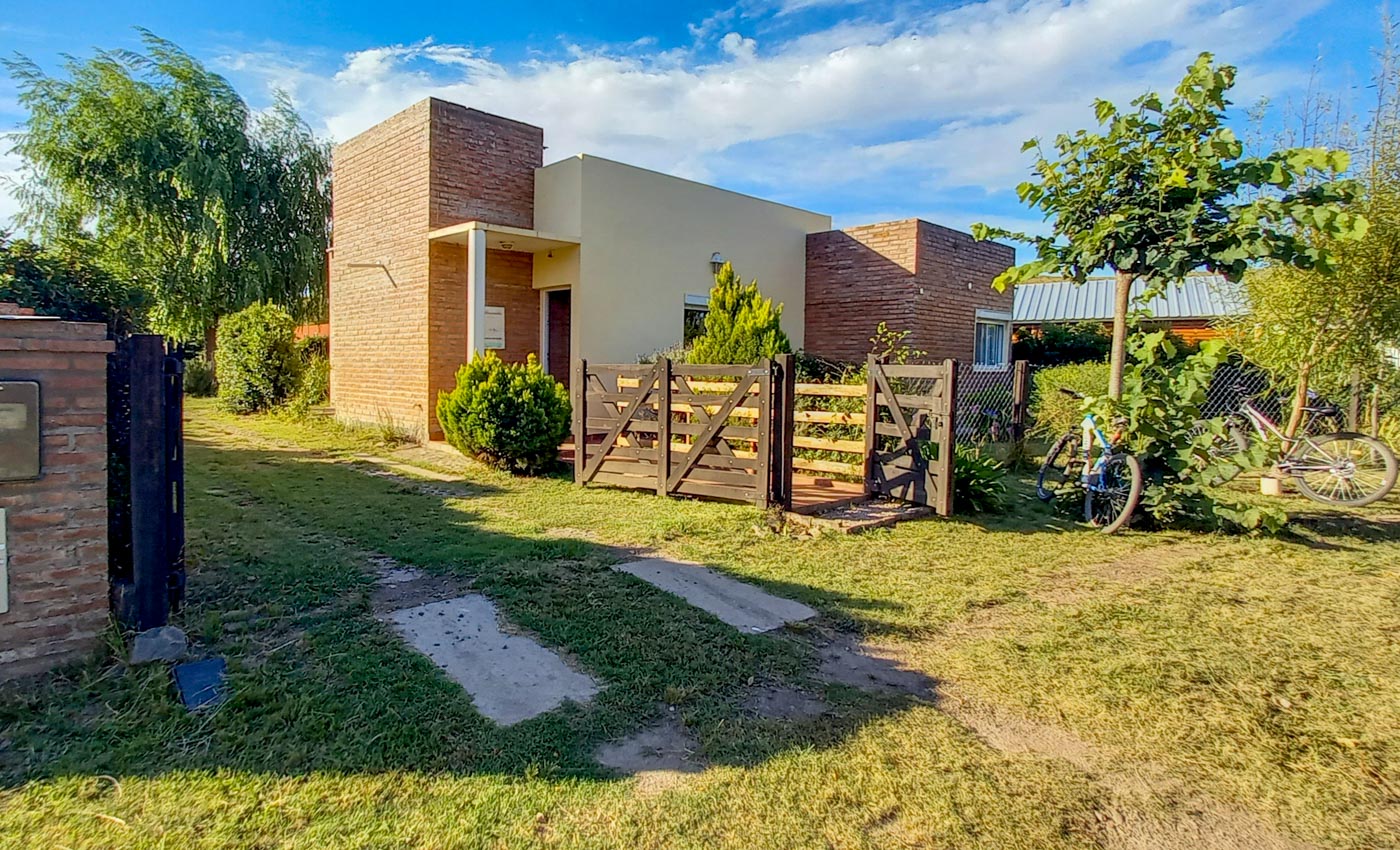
[[1300, 400], [211, 338], [1118, 353]]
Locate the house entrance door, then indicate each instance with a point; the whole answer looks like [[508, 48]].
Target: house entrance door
[[558, 315]]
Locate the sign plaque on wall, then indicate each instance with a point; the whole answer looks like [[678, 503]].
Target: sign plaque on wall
[[494, 335], [19, 430]]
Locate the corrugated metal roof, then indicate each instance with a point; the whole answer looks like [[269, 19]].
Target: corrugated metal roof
[[1202, 296]]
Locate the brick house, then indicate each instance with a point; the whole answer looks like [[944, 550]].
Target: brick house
[[453, 237]]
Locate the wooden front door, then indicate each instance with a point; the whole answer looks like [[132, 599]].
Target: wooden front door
[[558, 315]]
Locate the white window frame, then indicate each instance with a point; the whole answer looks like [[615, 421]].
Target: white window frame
[[993, 317]]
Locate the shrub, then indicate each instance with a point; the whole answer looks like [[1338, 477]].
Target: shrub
[[199, 378], [255, 359], [510, 415], [742, 326], [315, 387], [1053, 412], [1162, 398], [979, 482], [1057, 344]]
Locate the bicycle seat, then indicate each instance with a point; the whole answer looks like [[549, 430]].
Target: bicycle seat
[[1323, 409], [1072, 393]]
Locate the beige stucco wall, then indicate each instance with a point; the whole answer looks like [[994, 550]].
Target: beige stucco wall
[[647, 239]]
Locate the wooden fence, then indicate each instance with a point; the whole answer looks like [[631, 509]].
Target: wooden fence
[[737, 432], [718, 431]]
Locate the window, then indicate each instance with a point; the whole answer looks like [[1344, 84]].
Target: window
[[992, 342], [697, 307]]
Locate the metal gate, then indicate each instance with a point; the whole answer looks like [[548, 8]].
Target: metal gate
[[145, 481]]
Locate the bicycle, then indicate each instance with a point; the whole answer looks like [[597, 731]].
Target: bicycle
[[1112, 481], [1339, 468]]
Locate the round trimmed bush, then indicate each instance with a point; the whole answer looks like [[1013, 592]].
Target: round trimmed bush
[[256, 358], [509, 415]]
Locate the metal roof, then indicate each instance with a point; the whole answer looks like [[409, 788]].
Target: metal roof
[[1202, 296]]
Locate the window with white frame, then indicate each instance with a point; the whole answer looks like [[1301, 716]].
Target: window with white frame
[[697, 307], [992, 341]]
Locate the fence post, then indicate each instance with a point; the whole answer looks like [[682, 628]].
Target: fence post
[[785, 418], [580, 418], [150, 497], [947, 437], [1020, 399], [174, 380], [764, 485], [871, 364], [663, 426]]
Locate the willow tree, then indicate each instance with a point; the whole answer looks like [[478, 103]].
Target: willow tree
[[185, 189], [1164, 189]]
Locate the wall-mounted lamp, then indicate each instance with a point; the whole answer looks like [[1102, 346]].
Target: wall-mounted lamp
[[716, 262], [507, 246]]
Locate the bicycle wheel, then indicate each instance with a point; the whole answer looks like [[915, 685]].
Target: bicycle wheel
[[1109, 505], [1343, 469], [1061, 467]]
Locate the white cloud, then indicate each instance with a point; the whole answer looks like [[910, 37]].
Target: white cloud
[[838, 104]]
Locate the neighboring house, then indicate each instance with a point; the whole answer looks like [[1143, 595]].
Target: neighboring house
[[452, 237], [1189, 308]]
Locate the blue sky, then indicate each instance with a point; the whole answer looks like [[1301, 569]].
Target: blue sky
[[865, 110]]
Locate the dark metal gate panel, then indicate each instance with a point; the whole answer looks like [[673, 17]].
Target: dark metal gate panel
[[909, 432]]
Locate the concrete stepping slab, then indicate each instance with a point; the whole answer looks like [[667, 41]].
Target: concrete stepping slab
[[741, 605], [510, 677]]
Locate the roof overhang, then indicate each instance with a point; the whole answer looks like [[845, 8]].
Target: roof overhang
[[500, 237]]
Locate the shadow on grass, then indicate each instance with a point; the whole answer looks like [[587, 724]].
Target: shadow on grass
[[281, 584]]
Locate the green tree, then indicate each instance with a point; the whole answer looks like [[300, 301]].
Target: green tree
[[1161, 192], [742, 326], [182, 187], [1324, 331]]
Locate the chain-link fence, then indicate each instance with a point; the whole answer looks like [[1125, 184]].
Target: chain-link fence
[[987, 404]]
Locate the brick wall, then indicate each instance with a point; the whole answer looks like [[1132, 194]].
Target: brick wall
[[379, 319], [57, 524], [953, 282], [912, 274], [398, 338]]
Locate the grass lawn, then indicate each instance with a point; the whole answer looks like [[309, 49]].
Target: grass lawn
[[1095, 690]]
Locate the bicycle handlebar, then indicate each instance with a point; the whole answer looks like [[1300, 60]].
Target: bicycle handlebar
[[1072, 393]]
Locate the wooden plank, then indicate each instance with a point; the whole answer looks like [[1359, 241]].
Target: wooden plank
[[663, 420], [829, 417], [710, 432], [580, 389], [871, 421], [883, 383], [918, 402], [727, 477], [783, 425], [926, 371], [634, 370], [765, 436], [803, 441], [941, 470], [726, 432], [714, 491], [712, 409], [833, 390], [701, 416], [624, 466], [711, 451], [722, 388], [632, 482], [740, 371], [830, 466], [599, 425]]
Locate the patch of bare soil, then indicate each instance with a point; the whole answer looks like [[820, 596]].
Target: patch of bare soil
[[846, 660], [397, 586], [660, 756], [1140, 567], [1147, 808], [776, 702]]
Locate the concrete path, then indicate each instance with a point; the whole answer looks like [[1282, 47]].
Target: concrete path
[[510, 677], [741, 605]]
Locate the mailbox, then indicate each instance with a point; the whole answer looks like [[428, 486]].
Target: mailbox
[[19, 430]]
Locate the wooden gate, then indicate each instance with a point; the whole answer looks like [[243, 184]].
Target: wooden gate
[[694, 430], [909, 432]]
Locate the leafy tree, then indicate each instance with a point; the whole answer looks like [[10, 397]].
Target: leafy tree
[[742, 326], [1160, 192], [183, 188], [66, 281], [1321, 330]]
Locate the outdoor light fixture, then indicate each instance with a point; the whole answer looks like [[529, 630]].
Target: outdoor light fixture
[[507, 246], [716, 262]]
